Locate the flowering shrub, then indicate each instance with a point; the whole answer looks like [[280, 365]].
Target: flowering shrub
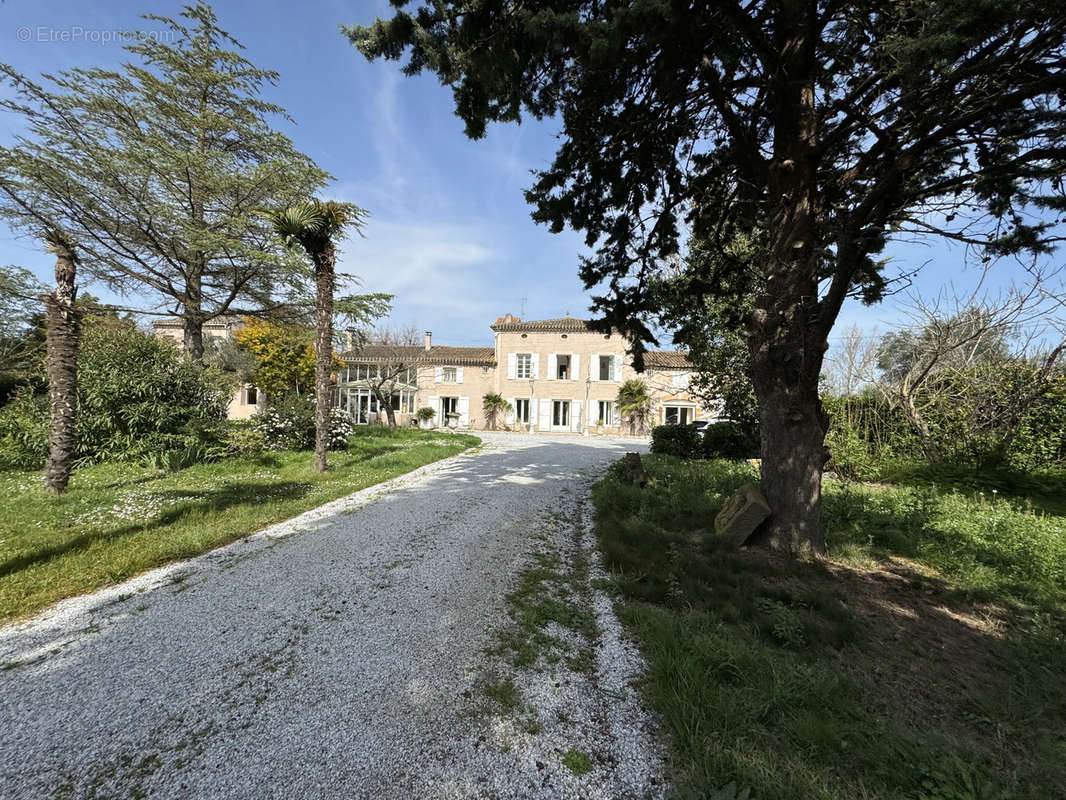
[[341, 426], [289, 424]]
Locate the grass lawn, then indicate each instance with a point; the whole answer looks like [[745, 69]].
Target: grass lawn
[[121, 519], [926, 659]]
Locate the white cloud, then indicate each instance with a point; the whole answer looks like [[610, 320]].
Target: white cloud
[[442, 275]]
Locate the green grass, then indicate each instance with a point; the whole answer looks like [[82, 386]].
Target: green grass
[[577, 762], [504, 692], [118, 520], [925, 659]]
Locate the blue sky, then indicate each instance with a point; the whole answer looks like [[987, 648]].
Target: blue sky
[[449, 234]]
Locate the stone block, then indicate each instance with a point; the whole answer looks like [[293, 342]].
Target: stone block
[[742, 514]]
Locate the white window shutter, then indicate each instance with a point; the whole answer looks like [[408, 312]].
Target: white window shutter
[[432, 402], [536, 365], [594, 367], [458, 374], [617, 368], [510, 417], [438, 374], [575, 416], [552, 373], [464, 412], [512, 366], [615, 421], [575, 362], [545, 421]]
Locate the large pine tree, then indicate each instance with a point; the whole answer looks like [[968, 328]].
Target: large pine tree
[[817, 128], [155, 172]]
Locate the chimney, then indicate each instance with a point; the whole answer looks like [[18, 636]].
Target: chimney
[[348, 339], [429, 340]]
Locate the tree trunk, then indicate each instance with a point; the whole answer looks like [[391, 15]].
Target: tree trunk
[[63, 323], [324, 276], [389, 413], [925, 437], [193, 338], [793, 427], [788, 331], [192, 320]]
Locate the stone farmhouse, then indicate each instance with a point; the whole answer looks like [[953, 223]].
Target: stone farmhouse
[[557, 374]]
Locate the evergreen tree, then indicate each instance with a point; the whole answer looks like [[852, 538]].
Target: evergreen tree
[[818, 128], [155, 171]]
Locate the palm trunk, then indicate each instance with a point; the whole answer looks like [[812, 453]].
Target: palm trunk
[[324, 261], [63, 324]]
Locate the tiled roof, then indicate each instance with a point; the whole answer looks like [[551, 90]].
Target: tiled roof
[[219, 321], [667, 359], [559, 324], [440, 355]]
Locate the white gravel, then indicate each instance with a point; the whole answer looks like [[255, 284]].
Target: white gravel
[[347, 661]]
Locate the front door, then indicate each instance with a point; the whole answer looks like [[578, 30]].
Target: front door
[[560, 413]]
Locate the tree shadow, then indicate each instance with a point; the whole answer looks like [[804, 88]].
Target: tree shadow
[[185, 501], [886, 527]]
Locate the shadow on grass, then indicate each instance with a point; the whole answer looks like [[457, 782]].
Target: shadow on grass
[[182, 502], [828, 680]]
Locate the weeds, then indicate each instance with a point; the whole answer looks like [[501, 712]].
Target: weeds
[[923, 661]]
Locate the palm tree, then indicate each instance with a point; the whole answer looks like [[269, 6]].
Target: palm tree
[[634, 403], [62, 327], [494, 405], [314, 226]]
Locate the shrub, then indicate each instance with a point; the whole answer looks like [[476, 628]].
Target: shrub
[[682, 441], [850, 457], [289, 424], [341, 426], [425, 413], [139, 396], [729, 440], [24, 431], [243, 439]]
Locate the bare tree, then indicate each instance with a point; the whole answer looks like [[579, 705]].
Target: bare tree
[[851, 364], [955, 338], [394, 352]]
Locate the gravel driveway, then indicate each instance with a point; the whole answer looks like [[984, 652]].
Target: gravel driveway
[[352, 652]]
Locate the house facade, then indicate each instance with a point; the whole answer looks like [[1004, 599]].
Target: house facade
[[558, 376]]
